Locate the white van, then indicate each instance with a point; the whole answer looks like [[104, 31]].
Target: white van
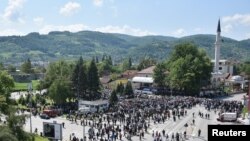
[[227, 117]]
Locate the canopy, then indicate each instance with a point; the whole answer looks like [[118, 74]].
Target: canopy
[[143, 80]]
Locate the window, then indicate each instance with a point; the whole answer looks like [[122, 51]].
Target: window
[[220, 68], [220, 63]]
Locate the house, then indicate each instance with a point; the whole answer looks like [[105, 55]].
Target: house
[[148, 72], [143, 78]]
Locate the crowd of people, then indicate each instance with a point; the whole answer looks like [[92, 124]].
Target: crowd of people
[[134, 117]]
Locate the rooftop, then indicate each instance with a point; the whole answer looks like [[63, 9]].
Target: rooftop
[[96, 102], [149, 70], [143, 80]]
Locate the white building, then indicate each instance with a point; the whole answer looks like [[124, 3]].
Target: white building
[[143, 78], [224, 66], [85, 106]]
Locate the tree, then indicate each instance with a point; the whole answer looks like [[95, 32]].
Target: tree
[[6, 134], [128, 90], [120, 88], [113, 98], [82, 82], [93, 81], [145, 63], [79, 79], [60, 91], [159, 74], [56, 70], [130, 62], [15, 123], [26, 66], [11, 68], [6, 84], [127, 64], [1, 66], [189, 68]]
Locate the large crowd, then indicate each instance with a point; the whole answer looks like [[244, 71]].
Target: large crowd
[[133, 117]]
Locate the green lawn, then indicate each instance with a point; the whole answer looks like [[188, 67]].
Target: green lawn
[[38, 138], [24, 86]]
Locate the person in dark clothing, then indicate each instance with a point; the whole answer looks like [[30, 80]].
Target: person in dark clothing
[[199, 132]]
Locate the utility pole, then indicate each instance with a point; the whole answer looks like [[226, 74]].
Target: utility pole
[[30, 93], [83, 129]]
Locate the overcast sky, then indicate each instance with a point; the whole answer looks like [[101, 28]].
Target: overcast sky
[[134, 17]]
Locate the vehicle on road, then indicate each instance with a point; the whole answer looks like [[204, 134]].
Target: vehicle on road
[[227, 117], [51, 113], [143, 91], [44, 116]]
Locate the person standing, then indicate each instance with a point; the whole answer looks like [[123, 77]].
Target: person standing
[[199, 132]]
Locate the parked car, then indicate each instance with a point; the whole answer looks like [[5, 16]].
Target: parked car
[[44, 116], [227, 117], [143, 91]]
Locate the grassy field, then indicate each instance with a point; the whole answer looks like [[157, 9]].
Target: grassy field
[[24, 86], [38, 138]]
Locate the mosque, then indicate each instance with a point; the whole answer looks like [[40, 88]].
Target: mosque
[[223, 69]]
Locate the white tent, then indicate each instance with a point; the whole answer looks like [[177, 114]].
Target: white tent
[[143, 80]]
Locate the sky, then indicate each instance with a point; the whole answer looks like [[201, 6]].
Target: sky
[[176, 18]]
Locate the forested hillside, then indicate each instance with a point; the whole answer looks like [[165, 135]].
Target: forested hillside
[[67, 45]]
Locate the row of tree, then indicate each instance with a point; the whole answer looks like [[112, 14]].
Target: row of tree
[[13, 129], [86, 82], [67, 80]]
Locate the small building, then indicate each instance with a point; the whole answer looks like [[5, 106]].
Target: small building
[[143, 78], [148, 72], [85, 106], [236, 83]]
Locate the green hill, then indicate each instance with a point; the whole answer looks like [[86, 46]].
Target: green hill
[[67, 45]]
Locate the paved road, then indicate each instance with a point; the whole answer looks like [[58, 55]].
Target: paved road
[[169, 126]]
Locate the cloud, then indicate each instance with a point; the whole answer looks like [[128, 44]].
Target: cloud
[[70, 8], [10, 32], [12, 11], [38, 21], [179, 32], [227, 28], [72, 28], [98, 3], [124, 30], [237, 19]]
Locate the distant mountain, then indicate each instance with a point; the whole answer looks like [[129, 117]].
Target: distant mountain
[[88, 44]]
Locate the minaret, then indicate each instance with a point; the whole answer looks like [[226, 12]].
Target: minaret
[[217, 49]]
